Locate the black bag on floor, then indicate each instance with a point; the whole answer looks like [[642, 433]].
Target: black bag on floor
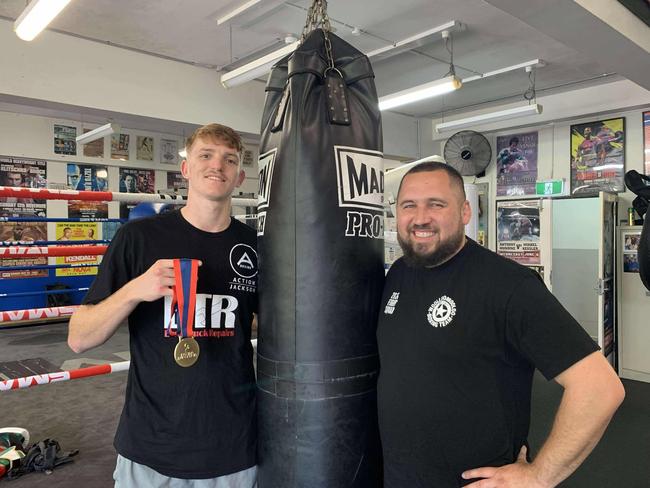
[[320, 242], [42, 456]]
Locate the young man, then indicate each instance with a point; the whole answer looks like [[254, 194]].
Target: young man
[[460, 333], [183, 424]]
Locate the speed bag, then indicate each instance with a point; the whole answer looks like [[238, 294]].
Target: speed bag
[[320, 243]]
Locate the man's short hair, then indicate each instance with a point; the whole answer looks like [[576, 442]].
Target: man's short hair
[[216, 132], [454, 176]]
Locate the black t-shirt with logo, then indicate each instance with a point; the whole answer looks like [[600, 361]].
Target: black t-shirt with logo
[[200, 421], [458, 345]]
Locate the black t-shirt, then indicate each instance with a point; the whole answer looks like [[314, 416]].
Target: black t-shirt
[[458, 345], [200, 421]]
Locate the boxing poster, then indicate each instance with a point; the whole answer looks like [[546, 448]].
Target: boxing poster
[[120, 146], [87, 177], [65, 140], [135, 181], [517, 164], [144, 148], [518, 231], [598, 157], [631, 242], [175, 181], [168, 151], [77, 231], [646, 141], [25, 173], [93, 149]]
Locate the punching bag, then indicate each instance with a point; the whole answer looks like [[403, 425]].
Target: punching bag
[[320, 244]]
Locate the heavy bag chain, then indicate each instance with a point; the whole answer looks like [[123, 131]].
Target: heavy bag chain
[[317, 16]]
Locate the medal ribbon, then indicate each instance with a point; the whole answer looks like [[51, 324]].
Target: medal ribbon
[[183, 302]]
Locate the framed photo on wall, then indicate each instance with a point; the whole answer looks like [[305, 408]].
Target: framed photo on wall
[[598, 157], [646, 142]]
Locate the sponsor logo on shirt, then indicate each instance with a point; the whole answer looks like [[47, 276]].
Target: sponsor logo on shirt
[[243, 260], [441, 312], [214, 316], [360, 180], [392, 303]]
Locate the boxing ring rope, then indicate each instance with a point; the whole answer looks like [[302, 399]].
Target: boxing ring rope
[[107, 196], [54, 251], [48, 266], [53, 243], [44, 379], [42, 292], [6, 317]]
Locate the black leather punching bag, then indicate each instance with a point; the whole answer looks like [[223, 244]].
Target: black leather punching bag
[[320, 242]]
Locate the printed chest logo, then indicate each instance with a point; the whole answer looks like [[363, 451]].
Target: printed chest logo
[[243, 261], [360, 181], [266, 164], [391, 303], [214, 316], [441, 312]]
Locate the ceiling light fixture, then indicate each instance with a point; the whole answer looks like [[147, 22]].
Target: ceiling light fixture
[[261, 66], [237, 11], [421, 92], [98, 133], [435, 88], [256, 68], [36, 17], [523, 111]]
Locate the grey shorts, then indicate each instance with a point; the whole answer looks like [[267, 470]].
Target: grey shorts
[[129, 474]]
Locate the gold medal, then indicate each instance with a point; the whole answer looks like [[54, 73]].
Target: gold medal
[[186, 352]]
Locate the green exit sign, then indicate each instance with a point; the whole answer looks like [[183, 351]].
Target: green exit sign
[[551, 187]]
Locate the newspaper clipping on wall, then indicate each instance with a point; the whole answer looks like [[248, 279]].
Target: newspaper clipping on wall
[[144, 148], [120, 146], [65, 140], [168, 151]]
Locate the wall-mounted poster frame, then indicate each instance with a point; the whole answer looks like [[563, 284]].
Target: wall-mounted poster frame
[[598, 157]]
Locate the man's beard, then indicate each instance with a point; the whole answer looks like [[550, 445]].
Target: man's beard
[[445, 250]]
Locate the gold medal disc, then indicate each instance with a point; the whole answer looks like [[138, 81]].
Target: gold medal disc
[[186, 351]]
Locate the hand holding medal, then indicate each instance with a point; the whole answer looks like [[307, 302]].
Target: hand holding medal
[[183, 305]]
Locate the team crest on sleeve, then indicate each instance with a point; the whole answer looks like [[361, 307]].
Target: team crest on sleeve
[[441, 312]]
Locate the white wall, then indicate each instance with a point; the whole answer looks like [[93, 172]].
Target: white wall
[[60, 68]]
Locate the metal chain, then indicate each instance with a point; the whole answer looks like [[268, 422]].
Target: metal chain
[[317, 16], [531, 94]]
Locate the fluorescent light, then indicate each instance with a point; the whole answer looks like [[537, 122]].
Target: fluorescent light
[[36, 17], [239, 10], [261, 66], [417, 93], [183, 153], [510, 113], [256, 68], [98, 133]]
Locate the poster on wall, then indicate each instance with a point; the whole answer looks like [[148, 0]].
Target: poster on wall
[[23, 232], [646, 141], [168, 151], [144, 148], [598, 157], [135, 181], [77, 231], [65, 140], [93, 149], [88, 177], [483, 212], [120, 146], [25, 173], [518, 233], [517, 164], [175, 181], [631, 242]]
